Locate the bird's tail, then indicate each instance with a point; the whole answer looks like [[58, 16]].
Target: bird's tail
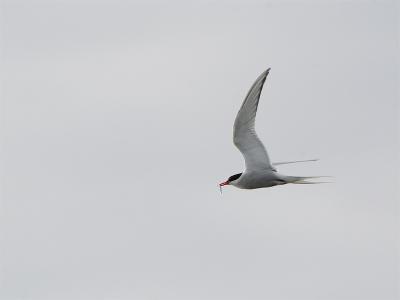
[[293, 162], [306, 180]]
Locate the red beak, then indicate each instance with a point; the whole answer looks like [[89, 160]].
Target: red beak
[[224, 183]]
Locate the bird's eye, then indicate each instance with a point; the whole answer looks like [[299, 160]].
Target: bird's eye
[[234, 177]]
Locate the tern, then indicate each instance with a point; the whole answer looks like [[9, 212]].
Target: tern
[[259, 171]]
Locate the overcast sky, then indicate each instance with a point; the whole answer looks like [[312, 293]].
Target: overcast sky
[[117, 127]]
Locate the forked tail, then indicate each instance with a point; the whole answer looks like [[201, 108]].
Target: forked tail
[[293, 162], [305, 180]]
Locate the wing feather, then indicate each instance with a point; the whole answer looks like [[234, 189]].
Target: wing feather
[[244, 135]]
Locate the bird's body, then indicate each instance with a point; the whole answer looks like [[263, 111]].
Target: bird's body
[[258, 179], [259, 172]]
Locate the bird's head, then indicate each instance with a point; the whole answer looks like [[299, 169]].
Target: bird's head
[[230, 179]]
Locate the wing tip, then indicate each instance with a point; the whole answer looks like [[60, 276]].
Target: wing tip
[[265, 73]]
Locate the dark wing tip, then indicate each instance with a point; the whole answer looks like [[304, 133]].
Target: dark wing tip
[[265, 73]]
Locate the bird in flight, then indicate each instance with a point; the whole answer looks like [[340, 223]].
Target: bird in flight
[[259, 171]]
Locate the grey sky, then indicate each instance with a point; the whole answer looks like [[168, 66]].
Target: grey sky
[[117, 123]]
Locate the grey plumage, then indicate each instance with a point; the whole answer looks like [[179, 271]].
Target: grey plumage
[[259, 171]]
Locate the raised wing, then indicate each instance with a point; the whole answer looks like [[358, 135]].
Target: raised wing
[[244, 134]]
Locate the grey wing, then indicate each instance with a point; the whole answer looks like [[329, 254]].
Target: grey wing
[[244, 134]]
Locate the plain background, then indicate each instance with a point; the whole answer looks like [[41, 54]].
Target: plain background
[[116, 129]]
